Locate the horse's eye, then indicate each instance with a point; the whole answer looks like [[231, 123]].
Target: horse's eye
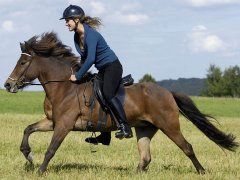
[[22, 63]]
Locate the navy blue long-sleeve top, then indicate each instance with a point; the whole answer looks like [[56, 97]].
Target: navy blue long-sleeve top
[[96, 51]]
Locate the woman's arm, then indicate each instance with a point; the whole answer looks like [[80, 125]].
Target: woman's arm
[[91, 46]]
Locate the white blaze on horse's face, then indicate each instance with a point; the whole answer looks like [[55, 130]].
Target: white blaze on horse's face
[[17, 77]]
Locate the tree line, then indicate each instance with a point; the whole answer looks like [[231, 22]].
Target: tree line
[[222, 83], [217, 83]]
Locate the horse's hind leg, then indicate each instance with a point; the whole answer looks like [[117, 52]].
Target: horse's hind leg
[[144, 136], [174, 133], [43, 125]]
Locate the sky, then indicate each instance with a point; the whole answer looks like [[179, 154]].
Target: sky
[[166, 39]]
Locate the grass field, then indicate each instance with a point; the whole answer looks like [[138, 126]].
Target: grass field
[[74, 159]]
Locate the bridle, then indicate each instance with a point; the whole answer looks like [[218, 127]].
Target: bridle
[[20, 81]]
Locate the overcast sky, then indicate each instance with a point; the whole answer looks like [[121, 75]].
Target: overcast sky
[[168, 39]]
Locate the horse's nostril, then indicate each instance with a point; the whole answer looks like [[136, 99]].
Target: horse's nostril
[[7, 85]]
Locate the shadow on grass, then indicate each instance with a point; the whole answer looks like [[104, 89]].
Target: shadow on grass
[[62, 167], [29, 167], [180, 169], [81, 167]]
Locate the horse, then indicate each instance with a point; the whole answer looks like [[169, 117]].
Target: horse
[[148, 106]]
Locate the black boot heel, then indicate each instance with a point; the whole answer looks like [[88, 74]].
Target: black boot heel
[[125, 132]]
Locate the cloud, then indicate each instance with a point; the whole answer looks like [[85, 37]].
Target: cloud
[[134, 18], [128, 19], [200, 40], [131, 6], [3, 2], [18, 14], [126, 13], [205, 3], [75, 2], [98, 8], [7, 26]]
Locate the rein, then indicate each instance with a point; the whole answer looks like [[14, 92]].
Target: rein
[[47, 82]]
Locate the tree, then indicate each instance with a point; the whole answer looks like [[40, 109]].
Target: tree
[[147, 78], [225, 83], [231, 82], [213, 81]]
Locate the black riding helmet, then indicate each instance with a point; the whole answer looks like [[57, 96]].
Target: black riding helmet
[[72, 11]]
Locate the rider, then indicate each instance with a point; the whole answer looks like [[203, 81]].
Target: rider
[[94, 50]]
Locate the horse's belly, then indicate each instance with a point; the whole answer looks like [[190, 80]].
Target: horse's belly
[[80, 125]]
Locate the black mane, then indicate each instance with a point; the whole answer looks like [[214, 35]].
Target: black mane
[[48, 44]]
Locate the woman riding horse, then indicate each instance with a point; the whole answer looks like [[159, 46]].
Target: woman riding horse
[[94, 50], [148, 106]]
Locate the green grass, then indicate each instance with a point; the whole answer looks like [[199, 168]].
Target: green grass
[[74, 159], [22, 102], [219, 107]]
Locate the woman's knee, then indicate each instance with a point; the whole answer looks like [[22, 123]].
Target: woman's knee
[[108, 96]]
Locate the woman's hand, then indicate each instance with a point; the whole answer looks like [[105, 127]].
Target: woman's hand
[[73, 78]]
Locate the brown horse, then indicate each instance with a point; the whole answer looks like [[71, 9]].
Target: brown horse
[[148, 106]]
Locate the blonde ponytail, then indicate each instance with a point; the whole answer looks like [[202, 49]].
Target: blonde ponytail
[[93, 22]]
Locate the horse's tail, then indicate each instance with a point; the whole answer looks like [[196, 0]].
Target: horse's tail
[[188, 109]]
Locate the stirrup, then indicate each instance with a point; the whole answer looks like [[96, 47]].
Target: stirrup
[[121, 135], [125, 132]]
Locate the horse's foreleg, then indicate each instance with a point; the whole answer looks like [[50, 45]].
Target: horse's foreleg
[[60, 132], [43, 125], [144, 136]]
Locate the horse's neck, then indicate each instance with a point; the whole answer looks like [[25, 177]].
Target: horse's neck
[[54, 70]]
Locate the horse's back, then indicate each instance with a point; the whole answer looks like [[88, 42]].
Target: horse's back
[[148, 101], [148, 90]]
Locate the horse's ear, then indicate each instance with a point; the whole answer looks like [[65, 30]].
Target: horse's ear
[[26, 45], [28, 49], [23, 49]]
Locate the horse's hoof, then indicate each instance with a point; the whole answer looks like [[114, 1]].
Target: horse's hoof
[[30, 157], [141, 170], [201, 171], [41, 171]]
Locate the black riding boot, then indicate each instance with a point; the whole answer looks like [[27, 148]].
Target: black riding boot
[[104, 138], [119, 113]]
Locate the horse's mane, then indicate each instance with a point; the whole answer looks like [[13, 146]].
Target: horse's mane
[[48, 44]]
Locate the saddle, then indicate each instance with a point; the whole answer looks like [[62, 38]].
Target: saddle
[[104, 108], [98, 85]]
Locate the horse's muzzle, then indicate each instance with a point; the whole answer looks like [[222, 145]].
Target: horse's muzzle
[[11, 86]]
